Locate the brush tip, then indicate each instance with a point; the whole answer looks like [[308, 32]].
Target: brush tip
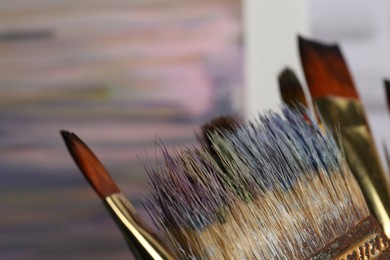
[[326, 70], [287, 75], [89, 164], [387, 92], [321, 48], [291, 89], [67, 136]]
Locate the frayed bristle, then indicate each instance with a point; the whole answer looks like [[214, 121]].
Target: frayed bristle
[[274, 188]]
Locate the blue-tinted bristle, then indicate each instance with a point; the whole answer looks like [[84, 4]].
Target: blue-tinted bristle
[[187, 190], [275, 182]]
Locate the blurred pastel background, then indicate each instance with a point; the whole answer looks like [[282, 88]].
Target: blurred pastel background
[[125, 73], [118, 73]]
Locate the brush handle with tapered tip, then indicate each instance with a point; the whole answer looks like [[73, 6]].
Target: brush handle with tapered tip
[[141, 239]]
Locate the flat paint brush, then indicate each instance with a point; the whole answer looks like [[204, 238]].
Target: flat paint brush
[[325, 70], [344, 116], [141, 239], [327, 74], [278, 189], [337, 101]]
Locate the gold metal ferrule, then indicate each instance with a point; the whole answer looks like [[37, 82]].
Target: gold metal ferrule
[[347, 120], [142, 241]]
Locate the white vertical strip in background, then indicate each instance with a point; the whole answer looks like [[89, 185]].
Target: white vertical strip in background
[[270, 31]]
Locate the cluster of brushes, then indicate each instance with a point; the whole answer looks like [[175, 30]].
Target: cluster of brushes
[[275, 187], [337, 105]]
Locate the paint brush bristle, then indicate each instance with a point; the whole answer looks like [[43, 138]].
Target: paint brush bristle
[[326, 70], [291, 89], [90, 166], [279, 189]]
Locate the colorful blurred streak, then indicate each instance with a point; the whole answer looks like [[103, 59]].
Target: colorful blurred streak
[[119, 73]]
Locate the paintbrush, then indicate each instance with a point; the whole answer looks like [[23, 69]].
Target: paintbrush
[[325, 70], [291, 90], [142, 241], [387, 91], [279, 189], [292, 93], [337, 101]]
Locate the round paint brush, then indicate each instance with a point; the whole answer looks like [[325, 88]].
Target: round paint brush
[[291, 89], [142, 241]]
